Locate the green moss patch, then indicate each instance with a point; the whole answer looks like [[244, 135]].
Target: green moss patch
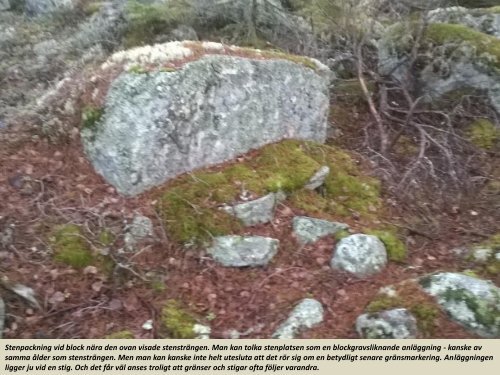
[[486, 46], [483, 134], [120, 335], [190, 205], [485, 314], [410, 296], [396, 249], [106, 237], [70, 247], [384, 302], [301, 60], [90, 117], [176, 321]]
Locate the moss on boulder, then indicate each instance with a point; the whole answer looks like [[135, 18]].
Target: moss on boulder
[[410, 296], [190, 205], [487, 48]]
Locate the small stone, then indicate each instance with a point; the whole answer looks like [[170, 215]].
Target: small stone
[[307, 314], [318, 179], [258, 211], [148, 325], [482, 255], [389, 324], [202, 331], [238, 251], [140, 229], [7, 237], [360, 254], [309, 230]]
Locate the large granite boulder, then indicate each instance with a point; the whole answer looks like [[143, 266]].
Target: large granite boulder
[[473, 303], [451, 57], [180, 106], [484, 20]]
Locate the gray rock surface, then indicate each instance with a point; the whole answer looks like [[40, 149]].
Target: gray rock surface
[[318, 179], [481, 255], [448, 66], [473, 303], [258, 211], [140, 229], [48, 65], [305, 315], [210, 111], [389, 324], [482, 20], [40, 7], [360, 254], [309, 230], [4, 5], [239, 251]]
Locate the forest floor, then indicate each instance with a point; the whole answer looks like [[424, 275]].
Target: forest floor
[[43, 185]]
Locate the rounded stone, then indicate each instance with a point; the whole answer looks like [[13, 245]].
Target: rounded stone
[[360, 254], [389, 324]]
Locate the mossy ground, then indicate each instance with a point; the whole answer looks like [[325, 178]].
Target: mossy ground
[[120, 335], [396, 249], [70, 247], [190, 204], [483, 134], [176, 321], [410, 296]]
